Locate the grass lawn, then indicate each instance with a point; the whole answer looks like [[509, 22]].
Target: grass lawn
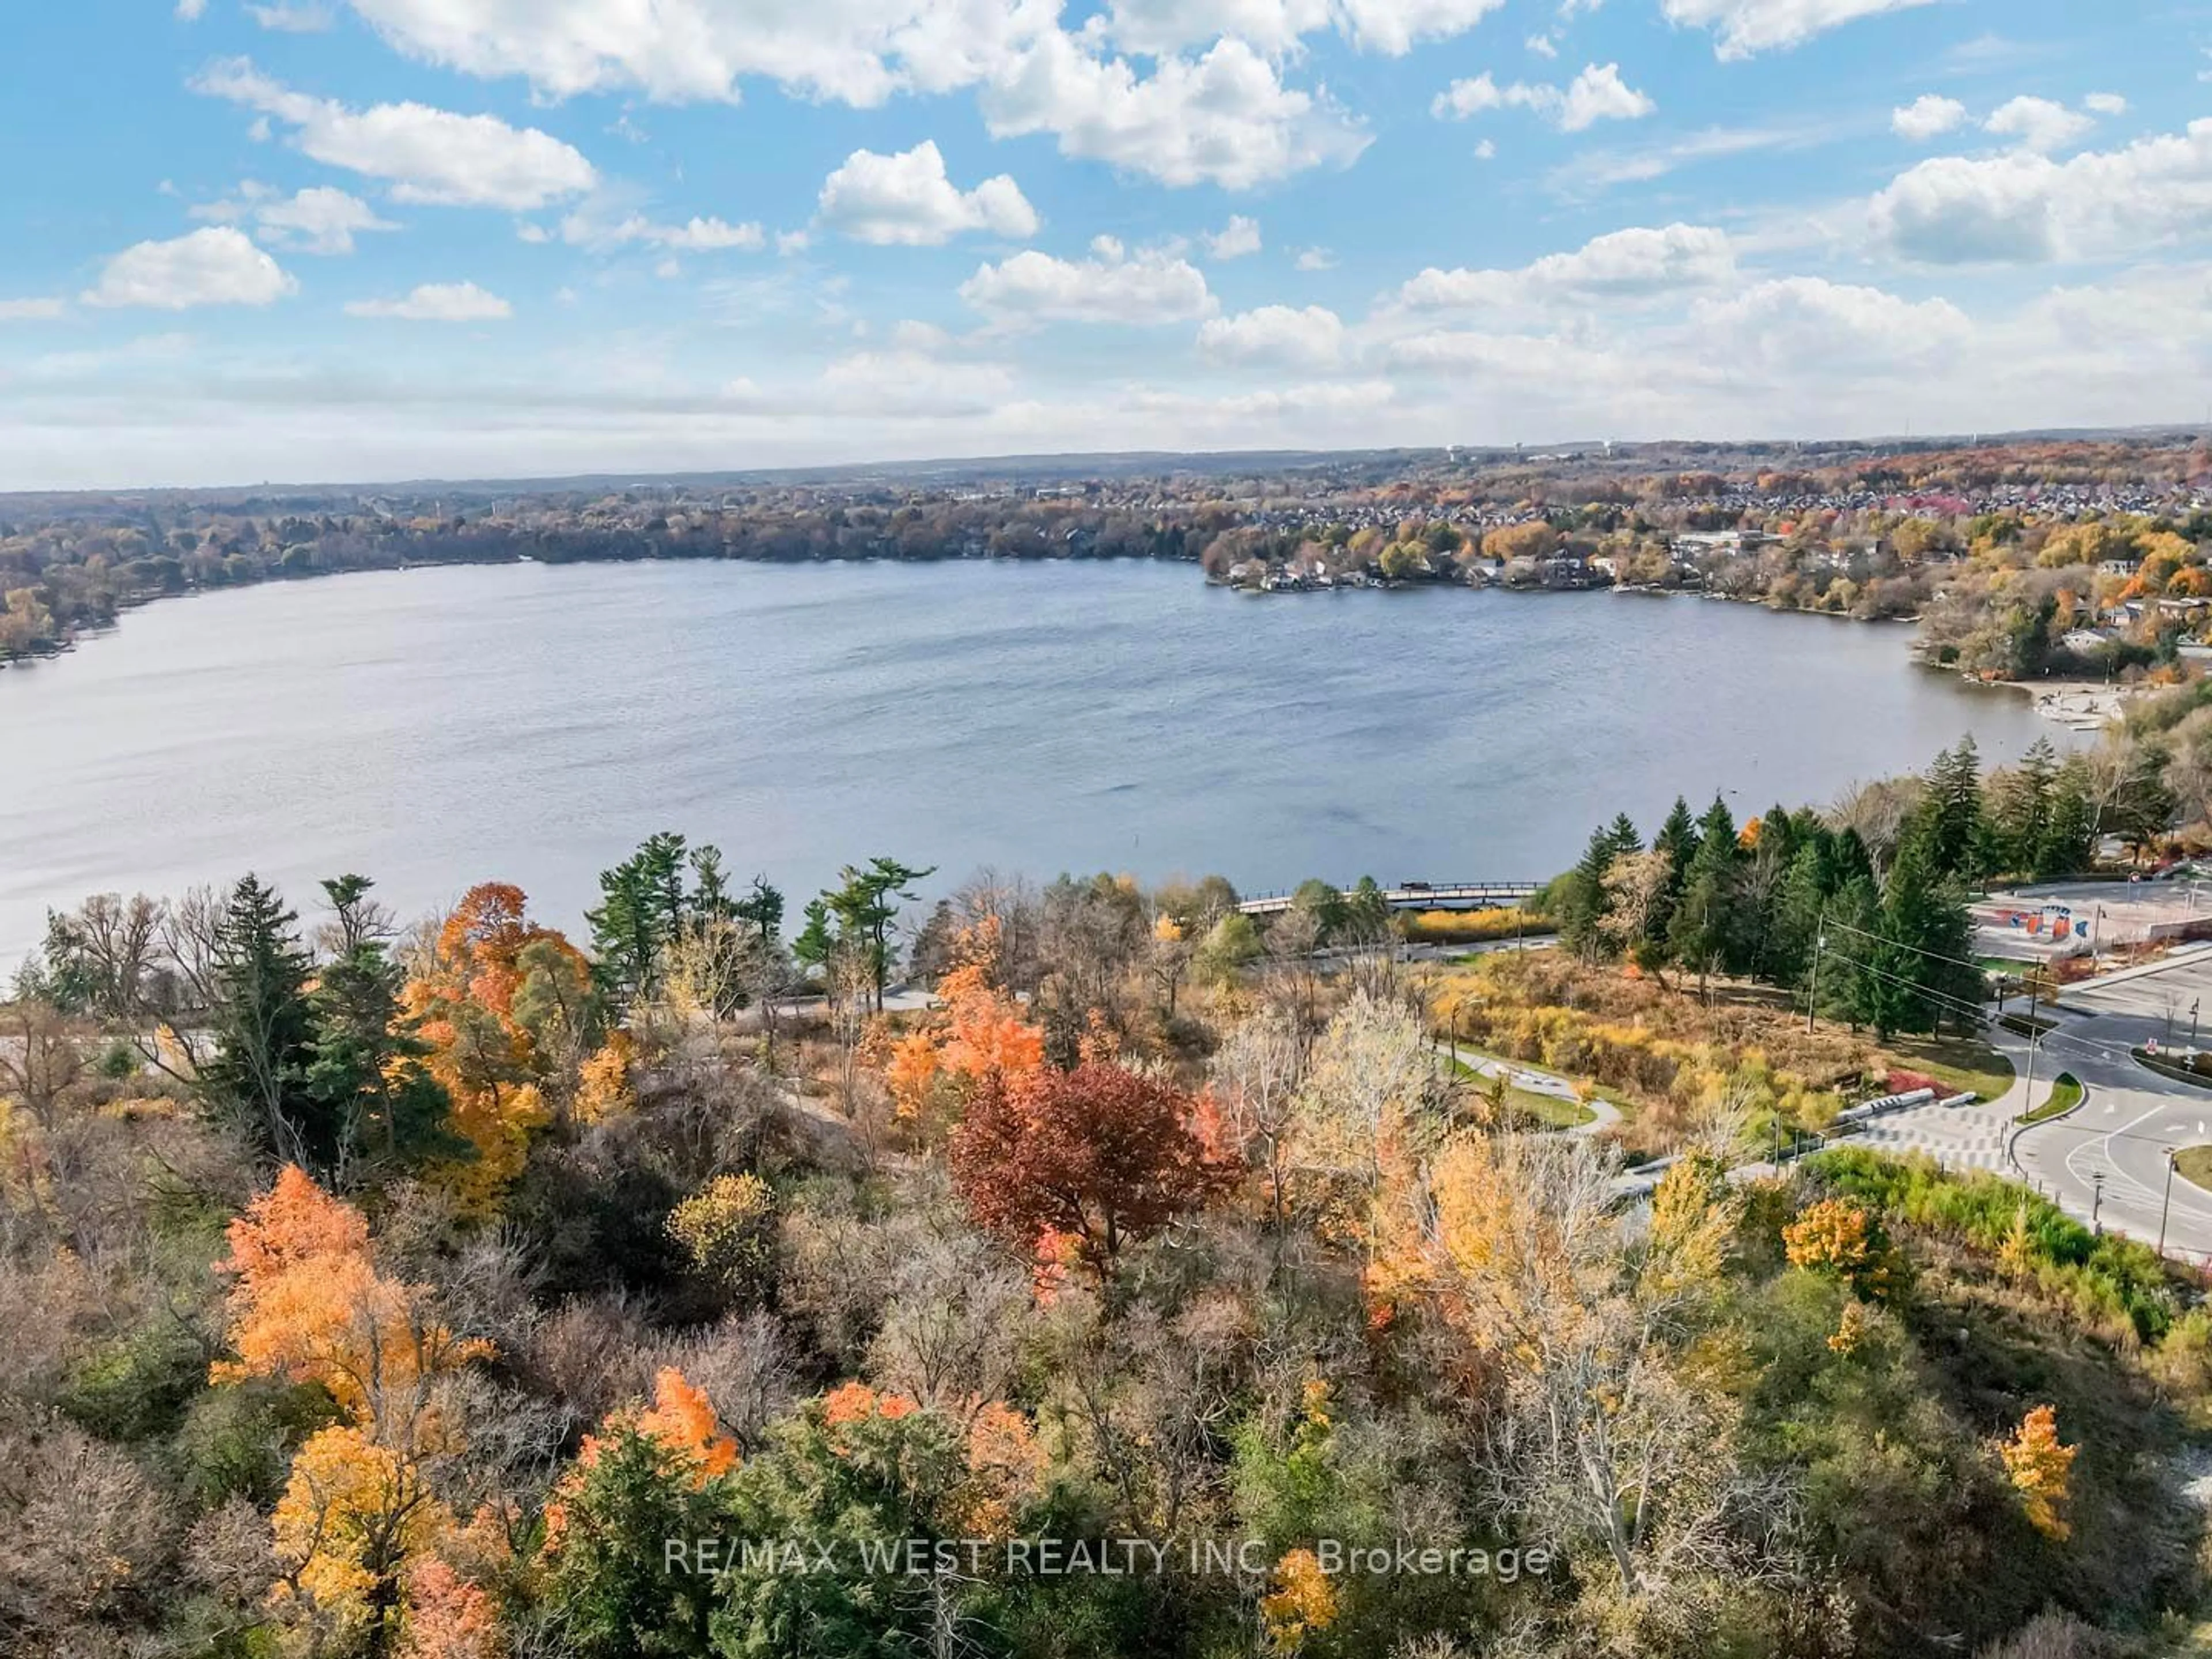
[[1550, 1110], [2065, 1095], [2195, 1164], [1960, 1062]]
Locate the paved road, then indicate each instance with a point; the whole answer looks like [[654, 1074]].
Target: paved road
[[2109, 1158]]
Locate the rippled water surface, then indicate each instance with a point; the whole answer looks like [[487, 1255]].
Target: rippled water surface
[[433, 728]]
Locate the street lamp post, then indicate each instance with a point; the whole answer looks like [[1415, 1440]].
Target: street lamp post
[[2097, 1206], [2166, 1203]]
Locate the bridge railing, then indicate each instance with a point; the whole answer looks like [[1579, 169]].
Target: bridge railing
[[1405, 897]]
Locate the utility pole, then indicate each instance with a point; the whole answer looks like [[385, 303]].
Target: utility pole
[[2033, 1042], [2193, 1001], [2166, 1203], [1812, 988]]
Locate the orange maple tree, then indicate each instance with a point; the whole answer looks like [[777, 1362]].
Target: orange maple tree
[[308, 1304], [463, 1004], [981, 1033]]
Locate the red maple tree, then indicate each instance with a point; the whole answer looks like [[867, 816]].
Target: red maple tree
[[1098, 1153]]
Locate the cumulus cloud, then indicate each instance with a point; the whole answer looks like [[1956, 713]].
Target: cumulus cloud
[[856, 52], [1225, 117], [1927, 117], [2105, 103], [317, 220], [2025, 208], [2037, 124], [1795, 319], [217, 265], [1310, 338], [1622, 264], [1234, 241], [1394, 26], [30, 311], [593, 227], [438, 302], [425, 155], [1109, 287], [191, 10], [1744, 27], [908, 199], [1598, 93]]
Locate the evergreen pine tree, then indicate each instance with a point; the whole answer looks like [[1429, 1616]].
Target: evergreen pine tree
[[1952, 810], [364, 1068], [1582, 901], [261, 1029], [1678, 840]]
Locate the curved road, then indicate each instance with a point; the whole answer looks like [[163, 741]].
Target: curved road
[[2108, 1159]]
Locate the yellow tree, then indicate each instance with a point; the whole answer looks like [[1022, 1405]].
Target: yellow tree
[[307, 1303], [1578, 1336], [2042, 1468], [474, 1004]]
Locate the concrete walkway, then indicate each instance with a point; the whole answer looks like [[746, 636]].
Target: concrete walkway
[[1604, 1114]]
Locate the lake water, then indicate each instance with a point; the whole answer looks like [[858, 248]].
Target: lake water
[[434, 728]]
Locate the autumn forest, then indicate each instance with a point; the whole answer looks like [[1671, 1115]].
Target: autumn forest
[[1071, 1270]]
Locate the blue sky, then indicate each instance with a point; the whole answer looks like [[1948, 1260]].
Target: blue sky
[[323, 239]]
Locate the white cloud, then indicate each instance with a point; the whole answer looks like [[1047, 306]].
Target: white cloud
[[2037, 125], [216, 265], [1622, 264], [855, 51], [438, 302], [1161, 26], [2105, 103], [1542, 45], [1748, 26], [908, 200], [1315, 259], [2024, 208], [1926, 117], [1107, 287], [1234, 241], [1806, 319], [592, 227], [1598, 93], [788, 242], [317, 220], [1224, 118], [191, 10], [908, 380], [292, 19], [1486, 151], [1312, 338], [426, 154], [1394, 26], [31, 311]]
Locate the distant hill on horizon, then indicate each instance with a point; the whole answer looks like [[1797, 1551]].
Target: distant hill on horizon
[[1035, 469]]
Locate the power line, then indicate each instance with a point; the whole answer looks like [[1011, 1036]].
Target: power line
[[1899, 943]]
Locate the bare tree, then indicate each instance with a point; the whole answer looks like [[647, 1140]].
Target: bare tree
[[1256, 1071]]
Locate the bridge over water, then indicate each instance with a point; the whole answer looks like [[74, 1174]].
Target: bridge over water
[[1416, 895]]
